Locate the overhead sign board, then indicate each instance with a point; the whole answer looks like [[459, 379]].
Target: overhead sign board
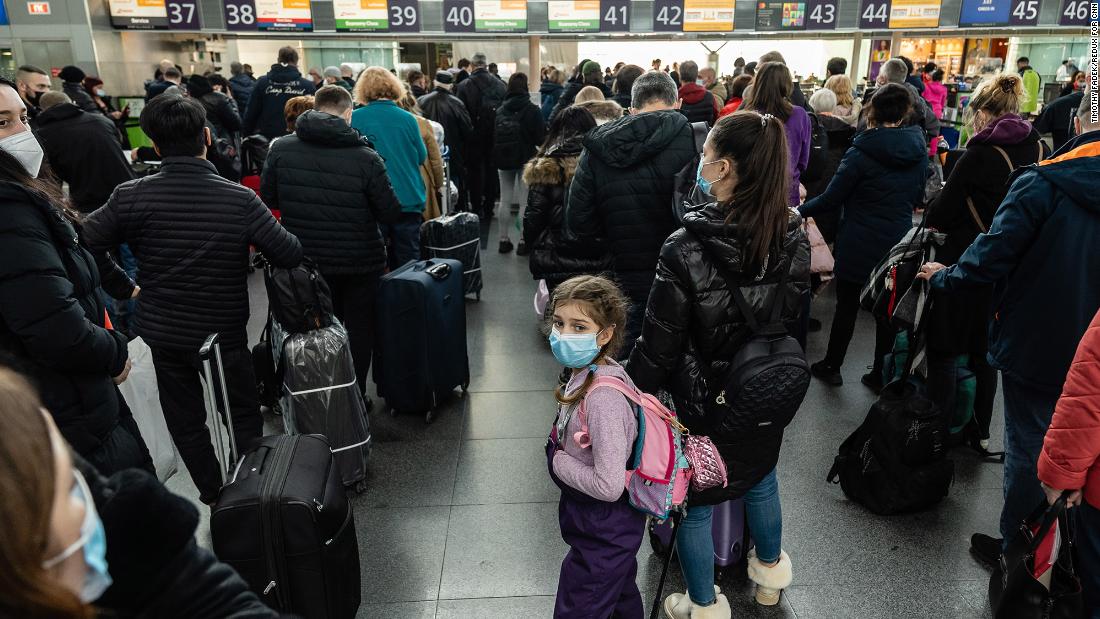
[[881, 14], [138, 14], [573, 15], [999, 13]]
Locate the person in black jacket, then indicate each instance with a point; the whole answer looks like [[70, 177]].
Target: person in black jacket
[[33, 83], [959, 323], [624, 81], [83, 150], [840, 135], [270, 94], [693, 327], [333, 191], [550, 91], [518, 133], [78, 544], [548, 176], [1057, 118], [921, 115], [225, 126], [72, 84], [588, 74], [189, 230], [242, 85], [482, 94], [621, 195], [699, 104], [878, 184], [441, 106]]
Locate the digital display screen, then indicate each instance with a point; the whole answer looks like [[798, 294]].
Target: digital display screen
[[778, 15]]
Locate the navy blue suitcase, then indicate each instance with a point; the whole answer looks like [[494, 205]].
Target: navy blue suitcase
[[420, 343]]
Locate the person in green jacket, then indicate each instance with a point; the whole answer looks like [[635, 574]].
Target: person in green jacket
[[394, 133], [1030, 103]]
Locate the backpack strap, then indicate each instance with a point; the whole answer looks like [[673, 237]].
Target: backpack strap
[[699, 133], [644, 400], [1011, 168]]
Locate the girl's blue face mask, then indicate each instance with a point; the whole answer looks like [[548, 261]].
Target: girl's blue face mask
[[93, 540], [705, 185], [574, 351]]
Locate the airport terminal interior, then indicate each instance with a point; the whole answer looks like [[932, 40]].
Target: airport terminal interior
[[458, 518]]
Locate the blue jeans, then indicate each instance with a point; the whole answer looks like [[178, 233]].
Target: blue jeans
[[1088, 557], [695, 541], [404, 239], [1027, 417]]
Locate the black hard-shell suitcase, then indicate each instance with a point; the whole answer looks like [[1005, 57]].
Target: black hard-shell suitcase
[[282, 520], [457, 237], [420, 349]]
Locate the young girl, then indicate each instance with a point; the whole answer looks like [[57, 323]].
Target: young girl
[[602, 530]]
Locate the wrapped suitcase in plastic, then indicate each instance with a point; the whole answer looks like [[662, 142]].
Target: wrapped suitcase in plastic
[[455, 237], [321, 396]]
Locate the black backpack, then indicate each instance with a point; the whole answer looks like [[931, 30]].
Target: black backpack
[[819, 152], [766, 380], [298, 298], [896, 461], [253, 154], [509, 152], [686, 194], [484, 116]]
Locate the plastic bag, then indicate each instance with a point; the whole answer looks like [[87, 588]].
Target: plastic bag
[[142, 396], [542, 297]]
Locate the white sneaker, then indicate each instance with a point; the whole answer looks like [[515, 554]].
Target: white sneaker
[[680, 606], [770, 580]]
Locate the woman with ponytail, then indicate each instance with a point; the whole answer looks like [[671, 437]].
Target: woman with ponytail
[[693, 327], [959, 323]]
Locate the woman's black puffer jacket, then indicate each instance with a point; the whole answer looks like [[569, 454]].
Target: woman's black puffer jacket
[[51, 329], [547, 177], [692, 319]]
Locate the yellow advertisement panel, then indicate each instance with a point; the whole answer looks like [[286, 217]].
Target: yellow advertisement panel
[[915, 14], [708, 15]]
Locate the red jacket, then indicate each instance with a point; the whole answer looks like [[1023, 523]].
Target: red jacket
[[1071, 451]]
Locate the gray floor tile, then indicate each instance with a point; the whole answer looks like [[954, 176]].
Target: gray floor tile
[[449, 417], [890, 598], [401, 550], [410, 473], [496, 608], [398, 610], [510, 414], [516, 371], [502, 550], [510, 470]]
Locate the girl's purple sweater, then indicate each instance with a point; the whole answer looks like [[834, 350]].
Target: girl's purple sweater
[[600, 470]]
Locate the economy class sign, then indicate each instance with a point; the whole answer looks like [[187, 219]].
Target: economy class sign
[[708, 15]]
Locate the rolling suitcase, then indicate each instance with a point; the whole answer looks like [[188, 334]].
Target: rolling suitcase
[[731, 540], [282, 519], [420, 343], [455, 236], [320, 395]]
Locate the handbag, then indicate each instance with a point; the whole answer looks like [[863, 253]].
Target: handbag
[[1014, 590], [142, 396], [821, 259]]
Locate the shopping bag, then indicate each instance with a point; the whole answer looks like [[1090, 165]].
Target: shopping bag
[[142, 396]]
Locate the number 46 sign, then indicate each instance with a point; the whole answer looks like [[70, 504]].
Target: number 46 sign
[[1075, 13]]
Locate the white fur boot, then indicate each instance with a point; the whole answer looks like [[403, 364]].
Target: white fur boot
[[770, 581], [680, 606]]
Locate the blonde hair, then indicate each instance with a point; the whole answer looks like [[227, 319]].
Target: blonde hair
[[589, 93], [407, 102], [294, 108], [998, 95], [557, 76], [377, 83], [602, 301], [841, 85]]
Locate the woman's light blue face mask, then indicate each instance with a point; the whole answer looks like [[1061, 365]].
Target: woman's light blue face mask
[[575, 350], [705, 185], [93, 539]]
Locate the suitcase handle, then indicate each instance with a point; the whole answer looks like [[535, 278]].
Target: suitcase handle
[[439, 270], [211, 356]]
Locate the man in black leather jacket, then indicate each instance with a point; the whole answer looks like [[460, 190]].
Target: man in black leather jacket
[[448, 110]]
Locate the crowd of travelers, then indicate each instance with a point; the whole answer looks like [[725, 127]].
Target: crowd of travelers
[[648, 291]]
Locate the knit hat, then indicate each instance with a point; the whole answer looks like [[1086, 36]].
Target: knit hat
[[591, 67], [333, 72], [71, 74], [444, 77]]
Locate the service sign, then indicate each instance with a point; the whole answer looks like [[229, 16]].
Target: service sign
[[708, 15], [500, 15], [999, 13], [1075, 13], [139, 14], [573, 15]]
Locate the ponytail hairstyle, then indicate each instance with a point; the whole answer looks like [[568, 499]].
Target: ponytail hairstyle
[[605, 304], [757, 146], [771, 91], [997, 96]]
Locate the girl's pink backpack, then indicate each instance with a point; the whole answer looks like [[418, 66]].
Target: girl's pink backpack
[[659, 472]]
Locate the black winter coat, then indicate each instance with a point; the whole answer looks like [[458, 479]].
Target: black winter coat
[[549, 93], [157, 568], [333, 191], [1057, 118], [691, 320], [552, 258], [957, 321], [569, 95], [190, 230], [79, 96], [512, 152], [621, 195], [623, 99], [84, 151], [222, 113], [448, 110], [878, 184], [242, 86], [268, 99], [51, 329], [840, 135], [482, 94]]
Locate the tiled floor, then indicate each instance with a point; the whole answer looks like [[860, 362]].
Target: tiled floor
[[459, 520]]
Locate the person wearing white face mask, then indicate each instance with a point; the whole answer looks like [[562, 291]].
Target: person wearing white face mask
[[70, 548], [51, 319]]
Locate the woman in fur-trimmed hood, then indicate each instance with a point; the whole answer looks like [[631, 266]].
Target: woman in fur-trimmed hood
[[548, 175]]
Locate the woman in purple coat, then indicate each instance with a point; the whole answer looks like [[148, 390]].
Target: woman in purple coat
[[771, 94]]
